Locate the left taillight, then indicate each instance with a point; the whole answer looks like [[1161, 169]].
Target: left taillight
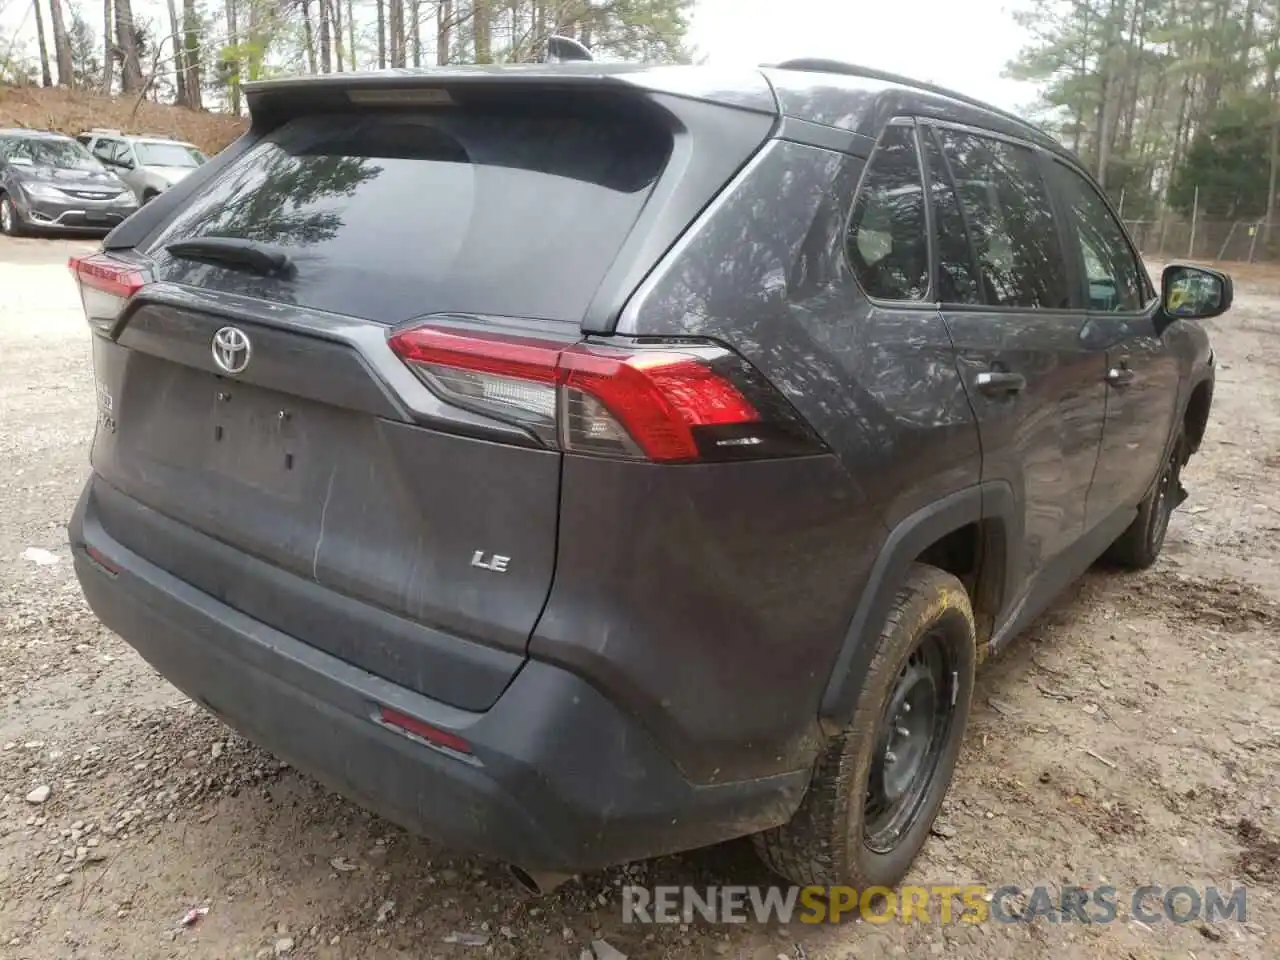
[[106, 284], [669, 402]]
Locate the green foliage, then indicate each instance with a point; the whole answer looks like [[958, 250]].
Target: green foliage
[[640, 30], [648, 30], [86, 65], [1229, 160], [1150, 93]]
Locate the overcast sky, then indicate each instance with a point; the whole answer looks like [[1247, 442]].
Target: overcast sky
[[962, 44]]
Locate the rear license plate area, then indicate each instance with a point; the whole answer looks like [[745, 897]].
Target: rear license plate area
[[258, 438]]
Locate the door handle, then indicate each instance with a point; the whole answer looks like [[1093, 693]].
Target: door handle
[[1120, 376], [996, 383]]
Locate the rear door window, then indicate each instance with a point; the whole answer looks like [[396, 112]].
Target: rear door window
[[1010, 218], [887, 242], [390, 216]]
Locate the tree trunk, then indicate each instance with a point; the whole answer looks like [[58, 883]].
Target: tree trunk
[[108, 48], [335, 28], [46, 78], [309, 34], [395, 30], [61, 45], [191, 56], [351, 33], [480, 30], [444, 31], [1181, 124], [1271, 183], [382, 34], [415, 15], [233, 34], [1274, 157], [1083, 69], [252, 47], [326, 55], [1100, 131], [179, 63], [127, 41]]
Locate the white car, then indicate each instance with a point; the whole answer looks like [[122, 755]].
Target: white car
[[150, 165]]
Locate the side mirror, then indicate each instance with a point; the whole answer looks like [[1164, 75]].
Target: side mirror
[[1194, 293]]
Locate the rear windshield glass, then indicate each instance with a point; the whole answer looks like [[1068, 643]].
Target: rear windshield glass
[[392, 216]]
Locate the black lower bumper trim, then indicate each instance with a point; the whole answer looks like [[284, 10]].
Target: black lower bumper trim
[[560, 778]]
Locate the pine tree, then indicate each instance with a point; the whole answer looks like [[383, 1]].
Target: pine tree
[[86, 65]]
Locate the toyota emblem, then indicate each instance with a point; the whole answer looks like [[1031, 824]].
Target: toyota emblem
[[231, 349]]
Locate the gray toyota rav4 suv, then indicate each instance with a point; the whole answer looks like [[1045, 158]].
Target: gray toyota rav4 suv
[[582, 463]]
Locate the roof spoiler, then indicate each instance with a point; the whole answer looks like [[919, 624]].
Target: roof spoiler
[[565, 50]]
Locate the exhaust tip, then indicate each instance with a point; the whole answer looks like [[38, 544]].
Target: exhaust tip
[[540, 883]]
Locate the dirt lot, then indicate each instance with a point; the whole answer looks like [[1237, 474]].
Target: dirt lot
[[1132, 737]]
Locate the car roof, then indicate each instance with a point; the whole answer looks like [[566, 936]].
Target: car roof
[[828, 91], [831, 93], [142, 138], [137, 137]]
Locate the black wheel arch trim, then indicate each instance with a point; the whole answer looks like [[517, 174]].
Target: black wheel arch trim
[[1202, 378], [994, 507]]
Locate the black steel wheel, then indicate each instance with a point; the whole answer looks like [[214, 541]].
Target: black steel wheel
[[878, 786], [1140, 545], [909, 743]]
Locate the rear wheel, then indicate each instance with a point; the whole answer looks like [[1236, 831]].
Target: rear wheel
[[10, 220], [877, 789], [1139, 546]]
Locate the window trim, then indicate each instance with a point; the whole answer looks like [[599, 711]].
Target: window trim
[[949, 176], [1151, 297], [1066, 235], [1038, 152], [926, 302]]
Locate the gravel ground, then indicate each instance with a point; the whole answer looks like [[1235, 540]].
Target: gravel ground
[[1131, 738]]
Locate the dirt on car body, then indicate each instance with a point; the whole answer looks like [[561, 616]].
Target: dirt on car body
[[1136, 742]]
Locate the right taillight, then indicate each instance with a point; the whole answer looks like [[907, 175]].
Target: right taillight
[[666, 402], [106, 284]]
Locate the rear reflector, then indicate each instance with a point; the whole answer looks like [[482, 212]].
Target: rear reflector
[[667, 402], [97, 557], [106, 284], [424, 731]]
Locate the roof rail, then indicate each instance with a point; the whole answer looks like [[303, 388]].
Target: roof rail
[[821, 65], [103, 130]]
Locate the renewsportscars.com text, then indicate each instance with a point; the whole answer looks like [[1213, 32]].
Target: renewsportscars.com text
[[972, 903]]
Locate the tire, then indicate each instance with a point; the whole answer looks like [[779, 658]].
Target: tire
[[840, 835], [11, 224], [1139, 546]]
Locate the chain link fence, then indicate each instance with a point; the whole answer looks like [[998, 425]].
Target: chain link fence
[[1244, 241]]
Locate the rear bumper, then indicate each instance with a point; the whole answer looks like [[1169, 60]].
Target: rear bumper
[[561, 779]]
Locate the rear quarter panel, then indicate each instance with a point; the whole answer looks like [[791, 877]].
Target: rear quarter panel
[[717, 604]]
